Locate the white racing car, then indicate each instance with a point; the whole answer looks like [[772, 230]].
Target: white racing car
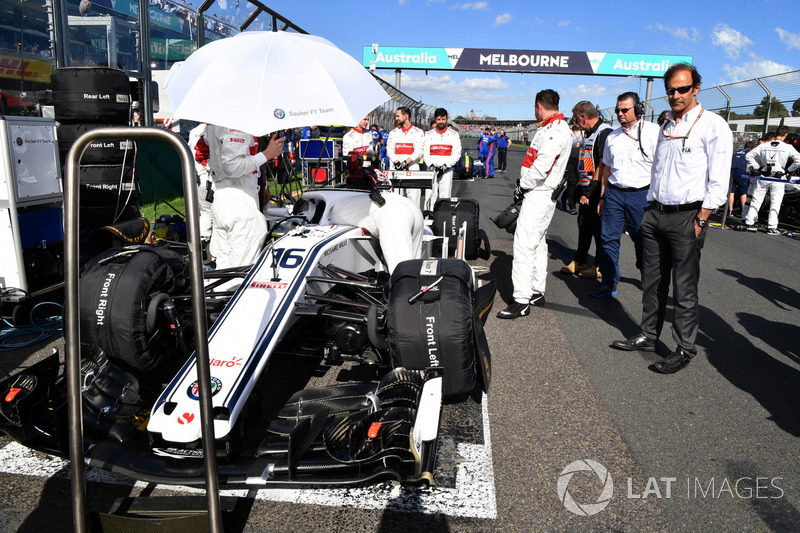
[[318, 295]]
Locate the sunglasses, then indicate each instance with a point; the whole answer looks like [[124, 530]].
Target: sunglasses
[[682, 90], [622, 110]]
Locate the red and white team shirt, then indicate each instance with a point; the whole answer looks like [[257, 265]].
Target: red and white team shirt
[[442, 148], [356, 140], [405, 144], [546, 160]]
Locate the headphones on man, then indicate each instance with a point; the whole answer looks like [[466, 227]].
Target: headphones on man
[[638, 107]]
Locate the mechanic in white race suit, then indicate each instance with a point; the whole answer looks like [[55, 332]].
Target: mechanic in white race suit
[[398, 224], [404, 147], [540, 177], [205, 185], [239, 226], [441, 152], [357, 139], [776, 154]]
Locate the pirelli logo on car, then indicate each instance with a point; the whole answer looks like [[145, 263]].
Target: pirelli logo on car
[[268, 284]]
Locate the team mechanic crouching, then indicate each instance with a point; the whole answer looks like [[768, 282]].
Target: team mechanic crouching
[[398, 223], [541, 174]]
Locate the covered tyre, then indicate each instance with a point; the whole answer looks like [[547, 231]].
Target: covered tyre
[[449, 214], [123, 296], [91, 94], [108, 185], [105, 152], [432, 321]]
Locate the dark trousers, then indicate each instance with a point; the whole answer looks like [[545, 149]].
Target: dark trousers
[[671, 248], [588, 229], [621, 210], [501, 158], [571, 173]]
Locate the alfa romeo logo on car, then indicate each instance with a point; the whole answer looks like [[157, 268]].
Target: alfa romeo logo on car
[[193, 391], [279, 113], [585, 509]]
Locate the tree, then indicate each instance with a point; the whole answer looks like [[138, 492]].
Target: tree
[[796, 108], [776, 110], [734, 115]]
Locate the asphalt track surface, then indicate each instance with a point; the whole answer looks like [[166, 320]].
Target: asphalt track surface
[[711, 448]]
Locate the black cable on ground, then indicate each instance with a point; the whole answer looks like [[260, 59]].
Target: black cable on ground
[[35, 333]]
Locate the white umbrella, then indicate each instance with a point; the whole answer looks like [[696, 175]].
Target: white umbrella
[[263, 81]]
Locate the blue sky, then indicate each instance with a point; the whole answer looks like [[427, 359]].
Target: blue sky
[[731, 40]]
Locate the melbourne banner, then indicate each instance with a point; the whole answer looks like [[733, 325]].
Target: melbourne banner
[[542, 61]]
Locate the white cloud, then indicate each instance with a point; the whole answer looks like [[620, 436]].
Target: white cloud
[[685, 34], [471, 5], [505, 18], [607, 88], [757, 66], [564, 23], [440, 90], [791, 40], [588, 92], [732, 41]]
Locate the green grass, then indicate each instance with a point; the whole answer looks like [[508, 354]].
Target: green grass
[[170, 206], [177, 205]]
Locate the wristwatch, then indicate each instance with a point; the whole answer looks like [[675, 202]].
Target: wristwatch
[[700, 222]]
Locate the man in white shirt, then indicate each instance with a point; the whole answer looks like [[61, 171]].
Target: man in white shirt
[[357, 139], [441, 152], [691, 172], [398, 223], [404, 148], [627, 165], [205, 185], [239, 226], [540, 176], [775, 154]]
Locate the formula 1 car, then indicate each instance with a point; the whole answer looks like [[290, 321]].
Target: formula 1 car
[[320, 291]]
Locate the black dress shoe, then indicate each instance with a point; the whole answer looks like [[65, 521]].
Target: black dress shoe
[[637, 342], [677, 360]]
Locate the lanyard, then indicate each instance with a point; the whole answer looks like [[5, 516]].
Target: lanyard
[[638, 139], [684, 137]]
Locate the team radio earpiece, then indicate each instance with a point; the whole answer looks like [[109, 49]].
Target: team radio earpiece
[[638, 108]]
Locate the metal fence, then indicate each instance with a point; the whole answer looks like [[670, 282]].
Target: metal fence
[[421, 114], [751, 107]]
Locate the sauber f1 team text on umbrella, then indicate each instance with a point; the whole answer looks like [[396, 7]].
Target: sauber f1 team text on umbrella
[[259, 82]]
